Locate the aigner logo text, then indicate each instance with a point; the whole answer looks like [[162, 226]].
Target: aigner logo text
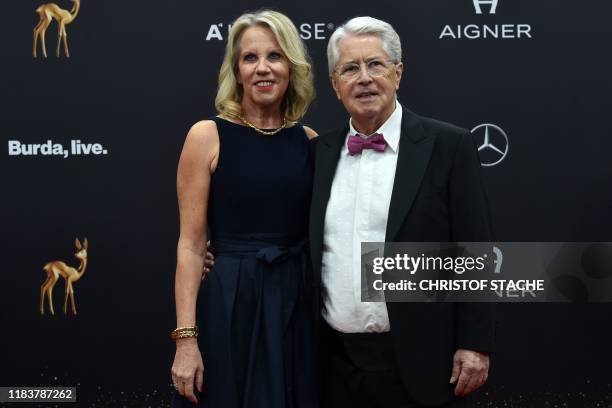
[[476, 31]]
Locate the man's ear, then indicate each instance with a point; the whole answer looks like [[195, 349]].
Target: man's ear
[[334, 82], [399, 70]]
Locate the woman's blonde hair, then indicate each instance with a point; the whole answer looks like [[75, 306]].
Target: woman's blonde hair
[[300, 91]]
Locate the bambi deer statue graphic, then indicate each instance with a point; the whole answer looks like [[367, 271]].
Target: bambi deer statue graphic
[[54, 270], [47, 13]]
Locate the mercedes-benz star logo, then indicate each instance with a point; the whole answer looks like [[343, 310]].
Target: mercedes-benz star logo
[[493, 144]]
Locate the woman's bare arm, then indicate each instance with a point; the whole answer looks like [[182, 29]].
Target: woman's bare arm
[[196, 165]]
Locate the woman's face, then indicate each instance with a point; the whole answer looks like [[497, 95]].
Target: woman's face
[[263, 68]]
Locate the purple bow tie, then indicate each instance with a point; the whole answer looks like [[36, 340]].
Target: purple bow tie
[[356, 144]]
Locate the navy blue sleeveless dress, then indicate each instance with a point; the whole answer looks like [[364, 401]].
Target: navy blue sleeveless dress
[[255, 306]]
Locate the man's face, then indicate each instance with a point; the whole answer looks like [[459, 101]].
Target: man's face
[[367, 98]]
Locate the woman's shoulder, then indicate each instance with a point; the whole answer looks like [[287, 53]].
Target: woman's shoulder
[[203, 133], [310, 133], [205, 125], [200, 150]]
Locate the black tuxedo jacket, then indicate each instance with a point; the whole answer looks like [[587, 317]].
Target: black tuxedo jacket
[[437, 196]]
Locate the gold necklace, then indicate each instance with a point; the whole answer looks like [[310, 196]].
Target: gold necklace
[[263, 132]]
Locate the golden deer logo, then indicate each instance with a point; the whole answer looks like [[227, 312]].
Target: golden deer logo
[[54, 270], [49, 12]]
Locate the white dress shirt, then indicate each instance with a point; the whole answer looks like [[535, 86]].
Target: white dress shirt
[[357, 211]]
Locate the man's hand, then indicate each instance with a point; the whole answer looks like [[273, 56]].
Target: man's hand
[[209, 261], [470, 370]]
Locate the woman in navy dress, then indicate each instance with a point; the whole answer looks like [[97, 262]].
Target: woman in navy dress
[[245, 176]]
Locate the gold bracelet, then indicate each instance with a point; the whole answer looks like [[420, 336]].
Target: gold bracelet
[[184, 332]]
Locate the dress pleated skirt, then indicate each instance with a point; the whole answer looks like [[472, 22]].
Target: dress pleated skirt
[[256, 325]]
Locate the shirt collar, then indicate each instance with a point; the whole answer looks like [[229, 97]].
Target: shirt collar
[[391, 129]]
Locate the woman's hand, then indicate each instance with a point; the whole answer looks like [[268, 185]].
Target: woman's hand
[[188, 368]]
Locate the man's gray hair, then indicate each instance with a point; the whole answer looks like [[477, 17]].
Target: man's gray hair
[[364, 26]]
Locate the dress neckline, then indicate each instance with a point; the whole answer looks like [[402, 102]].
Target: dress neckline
[[247, 127]]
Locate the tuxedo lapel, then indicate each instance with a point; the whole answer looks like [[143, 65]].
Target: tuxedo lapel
[[414, 153], [327, 155]]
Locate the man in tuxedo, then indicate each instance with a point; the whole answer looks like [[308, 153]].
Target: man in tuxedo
[[391, 175]]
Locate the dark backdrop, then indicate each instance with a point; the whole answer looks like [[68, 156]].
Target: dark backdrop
[[141, 73]]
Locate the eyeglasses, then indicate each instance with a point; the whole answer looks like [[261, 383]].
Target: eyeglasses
[[374, 67]]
